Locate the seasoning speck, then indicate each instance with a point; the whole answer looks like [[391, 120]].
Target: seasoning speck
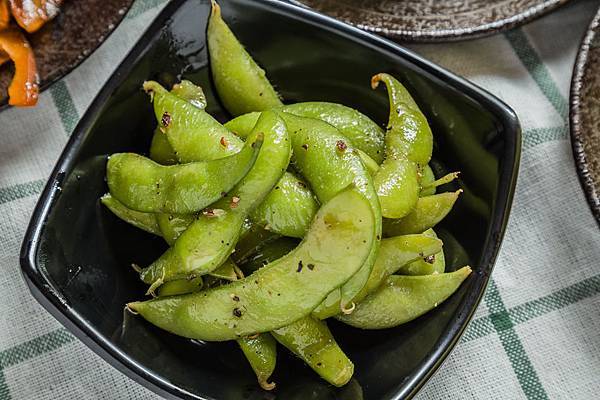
[[237, 312], [301, 184], [341, 145], [430, 259], [223, 141], [165, 119], [213, 212], [299, 266], [234, 201], [311, 266], [305, 146], [235, 297]]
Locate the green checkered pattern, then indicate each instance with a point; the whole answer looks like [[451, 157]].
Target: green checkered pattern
[[534, 336]]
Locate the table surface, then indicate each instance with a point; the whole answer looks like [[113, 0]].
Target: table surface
[[535, 334]]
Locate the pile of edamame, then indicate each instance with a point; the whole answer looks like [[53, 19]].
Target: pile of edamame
[[283, 217]]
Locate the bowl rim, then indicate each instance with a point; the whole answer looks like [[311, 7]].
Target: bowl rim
[[577, 130], [54, 303]]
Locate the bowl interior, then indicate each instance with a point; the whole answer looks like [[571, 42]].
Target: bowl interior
[[81, 254]]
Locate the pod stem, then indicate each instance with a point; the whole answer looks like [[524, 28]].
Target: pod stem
[[442, 181]]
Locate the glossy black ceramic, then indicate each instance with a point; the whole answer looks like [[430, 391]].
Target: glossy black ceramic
[[76, 256]]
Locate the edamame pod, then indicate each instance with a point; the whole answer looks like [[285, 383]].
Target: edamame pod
[[160, 149], [311, 340], [226, 271], [143, 185], [408, 145], [191, 93], [403, 298], [242, 85], [428, 212], [173, 225], [427, 178], [192, 133], [364, 134], [394, 254], [199, 141], [370, 164], [408, 133], [210, 239], [261, 353], [323, 156], [339, 240], [428, 264], [275, 213], [181, 286], [144, 221], [397, 186]]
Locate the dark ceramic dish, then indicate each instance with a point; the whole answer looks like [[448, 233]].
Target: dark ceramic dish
[[434, 20], [76, 255], [63, 43], [584, 115]]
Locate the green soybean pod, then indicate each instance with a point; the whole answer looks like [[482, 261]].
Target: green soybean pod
[[427, 178], [409, 135], [192, 133], [403, 298], [334, 249], [428, 264], [311, 340], [211, 238], [428, 212], [394, 254], [242, 85], [275, 213], [143, 185], [181, 286], [261, 352], [397, 186], [141, 220], [173, 225], [329, 164], [364, 134], [160, 149]]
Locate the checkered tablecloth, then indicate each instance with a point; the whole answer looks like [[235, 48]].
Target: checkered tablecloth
[[536, 334]]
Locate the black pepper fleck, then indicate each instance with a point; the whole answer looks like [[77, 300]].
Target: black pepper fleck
[[311, 266], [166, 119], [237, 312], [299, 266]]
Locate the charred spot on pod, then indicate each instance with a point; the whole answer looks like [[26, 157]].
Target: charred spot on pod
[[430, 259], [341, 145], [302, 184], [237, 312], [310, 266], [234, 201], [170, 217], [165, 120], [300, 266], [305, 146], [235, 297], [319, 364]]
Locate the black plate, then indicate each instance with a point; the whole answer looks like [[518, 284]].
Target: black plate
[[584, 122], [76, 255], [66, 41]]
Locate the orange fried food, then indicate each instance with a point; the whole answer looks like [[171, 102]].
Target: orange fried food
[[31, 15], [24, 88], [4, 15]]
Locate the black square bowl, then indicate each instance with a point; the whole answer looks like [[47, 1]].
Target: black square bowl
[[76, 255]]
